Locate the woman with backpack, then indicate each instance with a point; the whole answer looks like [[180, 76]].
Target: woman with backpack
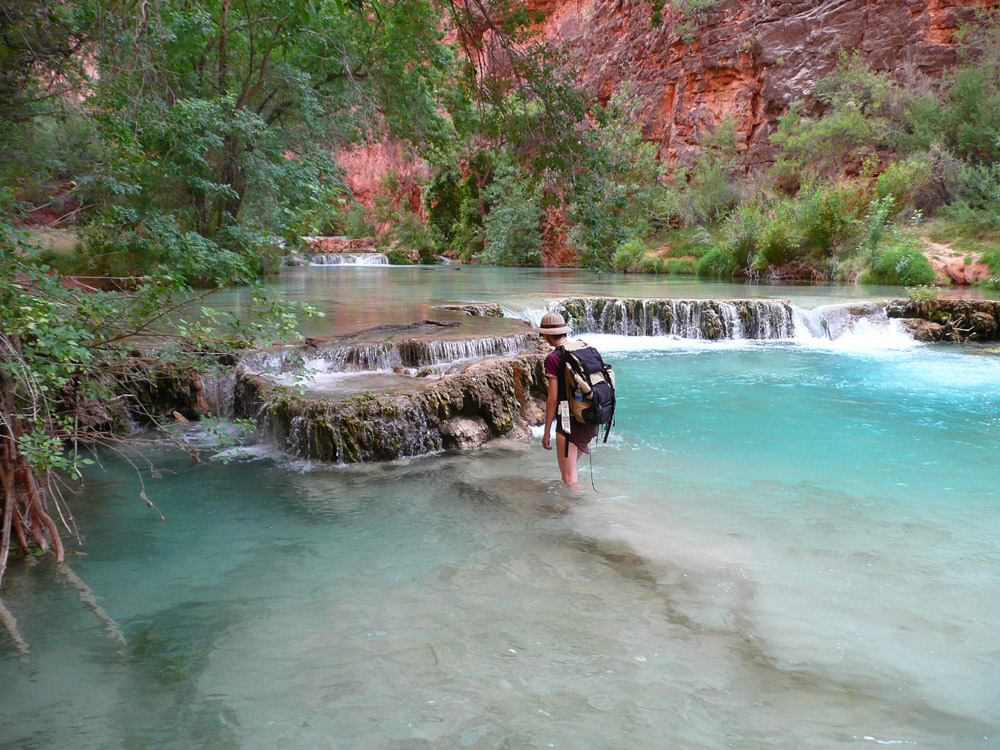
[[574, 443]]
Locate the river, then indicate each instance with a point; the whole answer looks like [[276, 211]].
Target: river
[[783, 543]]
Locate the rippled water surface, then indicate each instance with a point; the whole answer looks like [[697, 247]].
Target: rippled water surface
[[790, 544]]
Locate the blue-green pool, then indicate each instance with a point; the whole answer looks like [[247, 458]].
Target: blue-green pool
[[792, 544]]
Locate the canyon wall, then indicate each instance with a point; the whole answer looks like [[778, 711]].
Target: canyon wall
[[746, 61], [742, 60]]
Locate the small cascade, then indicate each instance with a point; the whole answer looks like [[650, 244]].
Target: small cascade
[[422, 353], [350, 259], [833, 321], [688, 319], [385, 356], [217, 393], [863, 326]]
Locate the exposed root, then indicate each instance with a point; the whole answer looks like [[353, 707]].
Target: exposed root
[[10, 623], [86, 594]]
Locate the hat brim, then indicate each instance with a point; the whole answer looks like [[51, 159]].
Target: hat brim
[[556, 331]]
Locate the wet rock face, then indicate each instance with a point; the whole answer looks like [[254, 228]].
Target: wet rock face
[[948, 320], [489, 399], [744, 60], [464, 433]]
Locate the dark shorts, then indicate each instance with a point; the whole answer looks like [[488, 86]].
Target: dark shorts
[[580, 435]]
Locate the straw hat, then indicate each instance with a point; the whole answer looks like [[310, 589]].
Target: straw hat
[[552, 325]]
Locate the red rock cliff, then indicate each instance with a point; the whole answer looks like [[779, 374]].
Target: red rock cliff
[[743, 60]]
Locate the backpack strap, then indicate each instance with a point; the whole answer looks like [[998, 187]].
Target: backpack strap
[[562, 392]]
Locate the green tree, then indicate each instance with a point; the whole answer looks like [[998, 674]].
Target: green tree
[[221, 116], [511, 229], [616, 195]]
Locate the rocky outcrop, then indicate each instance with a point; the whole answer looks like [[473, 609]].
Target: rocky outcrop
[[955, 267], [948, 320], [743, 60], [366, 167], [487, 400], [403, 350]]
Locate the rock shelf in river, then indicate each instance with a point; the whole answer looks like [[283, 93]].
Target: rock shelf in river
[[952, 320], [489, 399], [490, 383]]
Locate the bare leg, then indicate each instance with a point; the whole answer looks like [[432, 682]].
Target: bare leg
[[567, 464]]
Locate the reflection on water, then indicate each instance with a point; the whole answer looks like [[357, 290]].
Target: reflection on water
[[358, 297], [791, 544]]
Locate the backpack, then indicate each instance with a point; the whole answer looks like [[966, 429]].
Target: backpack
[[589, 385]]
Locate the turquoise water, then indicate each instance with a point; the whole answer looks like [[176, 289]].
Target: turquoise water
[[791, 544]]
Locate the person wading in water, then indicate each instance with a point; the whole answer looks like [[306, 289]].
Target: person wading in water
[[554, 329]]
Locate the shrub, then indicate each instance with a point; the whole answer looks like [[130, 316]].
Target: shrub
[[991, 257], [354, 222], [717, 264], [628, 255], [827, 214], [741, 243], [878, 224], [899, 263], [778, 237], [903, 181], [978, 205], [652, 264], [709, 188], [678, 265], [399, 257], [409, 233]]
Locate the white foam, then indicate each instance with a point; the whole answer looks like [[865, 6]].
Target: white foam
[[836, 328], [539, 429], [532, 315]]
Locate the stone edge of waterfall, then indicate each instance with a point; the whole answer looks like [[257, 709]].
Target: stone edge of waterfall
[[499, 397], [711, 319], [940, 320]]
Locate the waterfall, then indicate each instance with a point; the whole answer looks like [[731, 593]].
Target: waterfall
[[688, 319], [422, 353], [350, 259], [217, 393], [384, 356], [862, 325]]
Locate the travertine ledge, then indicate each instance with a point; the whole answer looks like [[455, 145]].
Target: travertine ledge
[[500, 397]]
